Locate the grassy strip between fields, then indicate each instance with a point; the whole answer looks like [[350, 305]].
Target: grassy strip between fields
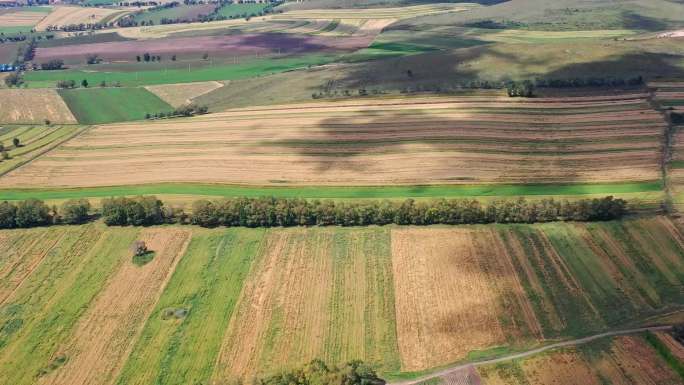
[[437, 191]]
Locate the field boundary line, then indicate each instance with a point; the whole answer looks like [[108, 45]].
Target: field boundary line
[[528, 353]]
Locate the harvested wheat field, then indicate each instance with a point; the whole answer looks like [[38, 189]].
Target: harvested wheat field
[[465, 140], [622, 360], [177, 95], [453, 286], [314, 293], [63, 15], [376, 13], [104, 337], [20, 18], [21, 106]]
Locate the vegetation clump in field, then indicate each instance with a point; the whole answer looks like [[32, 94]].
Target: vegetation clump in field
[[317, 372]]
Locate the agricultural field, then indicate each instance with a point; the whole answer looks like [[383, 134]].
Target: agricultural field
[[452, 140], [241, 10], [177, 95], [194, 72], [105, 105], [65, 15], [21, 106], [217, 304], [182, 12], [14, 20], [621, 360], [33, 142]]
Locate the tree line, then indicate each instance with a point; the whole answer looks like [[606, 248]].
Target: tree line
[[318, 372]]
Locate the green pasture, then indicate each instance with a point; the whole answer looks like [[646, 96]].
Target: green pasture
[[330, 192], [106, 105], [246, 69]]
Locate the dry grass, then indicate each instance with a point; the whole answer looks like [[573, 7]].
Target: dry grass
[[180, 94], [20, 18], [33, 106], [63, 15], [625, 360], [453, 285], [106, 333], [371, 142]]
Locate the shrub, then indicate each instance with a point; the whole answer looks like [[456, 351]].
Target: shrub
[[31, 213], [75, 211]]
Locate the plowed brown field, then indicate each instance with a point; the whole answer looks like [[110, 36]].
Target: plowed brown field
[[371, 142]]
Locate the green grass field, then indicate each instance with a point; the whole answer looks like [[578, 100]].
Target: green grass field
[[447, 191], [241, 10], [206, 283], [106, 105], [245, 69]]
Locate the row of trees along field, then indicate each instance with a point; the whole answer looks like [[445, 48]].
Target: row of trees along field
[[281, 212], [318, 372]]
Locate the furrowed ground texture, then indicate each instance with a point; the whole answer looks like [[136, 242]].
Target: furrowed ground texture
[[33, 107], [104, 105], [222, 304], [314, 293], [522, 284], [622, 360], [372, 142], [63, 16], [670, 97], [33, 142]]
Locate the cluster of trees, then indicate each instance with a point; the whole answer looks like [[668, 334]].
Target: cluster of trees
[[66, 83], [140, 211], [270, 212], [318, 372], [282, 212], [186, 110], [54, 64], [79, 27], [523, 89], [147, 57], [34, 212], [14, 80], [677, 117], [589, 82]]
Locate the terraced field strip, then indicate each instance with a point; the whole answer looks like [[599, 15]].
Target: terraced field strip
[[670, 96], [105, 334], [21, 106], [520, 285], [373, 142], [34, 142], [182, 336], [106, 105], [22, 17], [377, 13], [324, 293], [63, 15], [42, 313]]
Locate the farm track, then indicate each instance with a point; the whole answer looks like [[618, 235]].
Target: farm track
[[514, 356]]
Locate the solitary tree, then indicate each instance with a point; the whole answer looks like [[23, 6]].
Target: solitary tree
[[205, 56], [139, 248], [137, 58], [16, 142], [84, 83], [173, 58]]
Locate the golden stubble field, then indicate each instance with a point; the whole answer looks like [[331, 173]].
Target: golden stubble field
[[465, 140]]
